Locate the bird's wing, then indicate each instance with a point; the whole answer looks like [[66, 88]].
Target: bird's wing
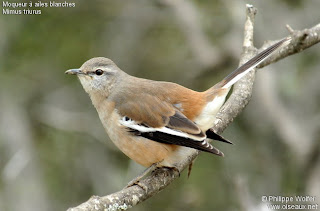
[[159, 121]]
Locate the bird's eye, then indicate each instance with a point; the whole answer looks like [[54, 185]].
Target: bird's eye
[[99, 72]]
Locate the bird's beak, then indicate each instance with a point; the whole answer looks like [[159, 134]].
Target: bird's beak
[[73, 72]]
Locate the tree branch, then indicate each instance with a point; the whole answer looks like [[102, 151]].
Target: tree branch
[[301, 40], [237, 101]]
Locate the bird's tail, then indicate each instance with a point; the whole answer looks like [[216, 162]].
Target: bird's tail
[[251, 64]]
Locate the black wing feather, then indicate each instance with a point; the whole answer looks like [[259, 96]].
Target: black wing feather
[[212, 135], [181, 141]]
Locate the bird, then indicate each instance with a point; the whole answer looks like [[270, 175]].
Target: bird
[[155, 123]]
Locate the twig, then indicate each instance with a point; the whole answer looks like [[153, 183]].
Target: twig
[[301, 40]]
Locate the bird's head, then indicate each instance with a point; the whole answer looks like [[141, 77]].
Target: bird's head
[[97, 75]]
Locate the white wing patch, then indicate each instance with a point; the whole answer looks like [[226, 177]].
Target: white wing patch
[[127, 122]]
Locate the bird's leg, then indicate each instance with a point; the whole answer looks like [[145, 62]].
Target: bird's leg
[[173, 168], [135, 181]]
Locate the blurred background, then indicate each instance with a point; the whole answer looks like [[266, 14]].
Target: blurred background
[[54, 153]]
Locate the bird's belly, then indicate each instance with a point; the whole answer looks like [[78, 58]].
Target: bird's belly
[[143, 151], [147, 152]]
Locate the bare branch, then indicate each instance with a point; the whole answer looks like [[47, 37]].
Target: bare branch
[[240, 97], [301, 40]]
